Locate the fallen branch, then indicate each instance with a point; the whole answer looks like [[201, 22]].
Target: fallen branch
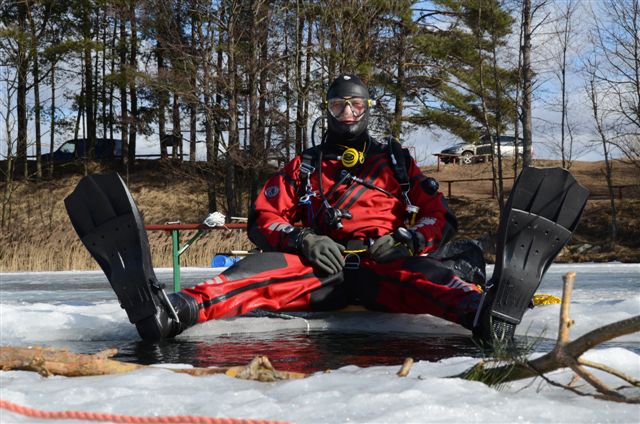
[[47, 362], [565, 354]]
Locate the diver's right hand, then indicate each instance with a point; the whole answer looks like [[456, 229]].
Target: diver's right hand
[[323, 253]]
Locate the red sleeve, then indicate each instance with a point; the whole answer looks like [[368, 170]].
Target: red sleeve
[[276, 210], [435, 221]]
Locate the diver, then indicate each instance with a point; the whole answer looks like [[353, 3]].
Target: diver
[[350, 221]]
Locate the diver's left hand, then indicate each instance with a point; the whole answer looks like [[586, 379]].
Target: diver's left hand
[[399, 244]]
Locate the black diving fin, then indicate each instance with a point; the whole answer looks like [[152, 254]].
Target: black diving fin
[[542, 213], [105, 216]]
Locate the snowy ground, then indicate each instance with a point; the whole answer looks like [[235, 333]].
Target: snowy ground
[[35, 311]]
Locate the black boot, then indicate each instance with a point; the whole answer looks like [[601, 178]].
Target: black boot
[[163, 324], [491, 331]]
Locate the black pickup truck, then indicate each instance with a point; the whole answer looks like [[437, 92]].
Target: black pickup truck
[[106, 148]]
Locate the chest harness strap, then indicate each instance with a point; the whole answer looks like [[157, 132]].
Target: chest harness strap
[[399, 165], [312, 161]]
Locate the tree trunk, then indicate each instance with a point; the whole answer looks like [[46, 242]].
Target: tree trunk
[[527, 84], [565, 34], [124, 114], [133, 91], [176, 130], [212, 201], [517, 115], [262, 105], [88, 80], [485, 113], [112, 86], [96, 84], [22, 66], [204, 49], [563, 114], [234, 140], [193, 104], [396, 125], [213, 151], [37, 112], [9, 170], [498, 125], [299, 100], [33, 51], [256, 147], [76, 128], [287, 94], [307, 85], [613, 235], [52, 120], [162, 99], [193, 127], [231, 188], [103, 101], [217, 120]]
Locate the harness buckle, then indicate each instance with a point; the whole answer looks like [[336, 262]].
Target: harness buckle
[[352, 261], [306, 168]]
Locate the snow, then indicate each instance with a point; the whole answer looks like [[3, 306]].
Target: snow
[[34, 310]]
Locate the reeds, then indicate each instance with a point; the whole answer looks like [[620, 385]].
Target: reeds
[[61, 249], [38, 235]]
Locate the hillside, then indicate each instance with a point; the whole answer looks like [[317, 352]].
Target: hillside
[[38, 236]]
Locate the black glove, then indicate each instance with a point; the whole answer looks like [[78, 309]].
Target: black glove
[[399, 244], [324, 253]]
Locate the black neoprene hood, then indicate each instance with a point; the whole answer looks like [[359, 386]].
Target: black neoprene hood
[[348, 86]]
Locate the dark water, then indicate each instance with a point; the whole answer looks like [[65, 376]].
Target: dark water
[[307, 352], [288, 350]]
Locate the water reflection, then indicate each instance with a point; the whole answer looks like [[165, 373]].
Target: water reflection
[[302, 352]]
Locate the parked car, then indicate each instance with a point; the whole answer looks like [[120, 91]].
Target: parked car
[[468, 153], [70, 150]]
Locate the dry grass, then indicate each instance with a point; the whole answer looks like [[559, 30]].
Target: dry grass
[[39, 237]]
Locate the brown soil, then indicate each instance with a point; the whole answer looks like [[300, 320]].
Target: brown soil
[[37, 235]]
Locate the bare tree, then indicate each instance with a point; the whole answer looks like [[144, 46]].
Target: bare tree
[[527, 82], [596, 95], [564, 33], [7, 114], [617, 37]]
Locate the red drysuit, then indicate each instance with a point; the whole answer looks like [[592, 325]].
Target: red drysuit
[[281, 279]]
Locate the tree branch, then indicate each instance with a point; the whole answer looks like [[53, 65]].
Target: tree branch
[[565, 354], [47, 362]]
